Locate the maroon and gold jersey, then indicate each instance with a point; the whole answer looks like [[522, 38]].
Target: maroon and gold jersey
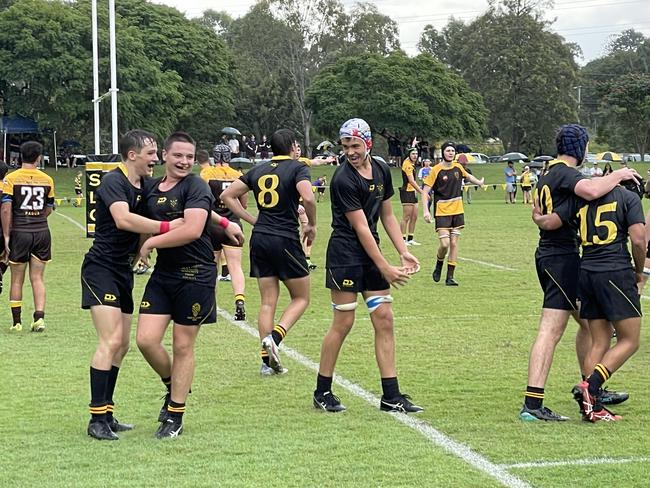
[[30, 192], [446, 183], [219, 178], [407, 169]]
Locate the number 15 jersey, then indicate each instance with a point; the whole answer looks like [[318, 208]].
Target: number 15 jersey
[[276, 195], [31, 192]]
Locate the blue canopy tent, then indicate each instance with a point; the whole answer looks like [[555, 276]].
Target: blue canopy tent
[[19, 124], [16, 125]]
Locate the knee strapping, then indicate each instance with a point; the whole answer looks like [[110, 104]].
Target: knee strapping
[[455, 232], [345, 307], [374, 301]]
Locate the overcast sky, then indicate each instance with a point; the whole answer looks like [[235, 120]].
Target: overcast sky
[[589, 23]]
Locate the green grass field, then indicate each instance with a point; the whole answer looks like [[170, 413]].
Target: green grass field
[[462, 354]]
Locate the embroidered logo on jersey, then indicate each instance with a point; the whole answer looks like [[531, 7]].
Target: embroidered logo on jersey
[[444, 177], [274, 165], [145, 304], [457, 175], [109, 297], [173, 202], [161, 200], [348, 283], [371, 188], [196, 309]]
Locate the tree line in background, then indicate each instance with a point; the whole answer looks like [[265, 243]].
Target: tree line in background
[[309, 65]]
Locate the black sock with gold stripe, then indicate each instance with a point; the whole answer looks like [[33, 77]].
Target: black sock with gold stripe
[[597, 378], [16, 310], [110, 389], [98, 387], [265, 356], [240, 296], [278, 334], [534, 397], [175, 410], [168, 383]]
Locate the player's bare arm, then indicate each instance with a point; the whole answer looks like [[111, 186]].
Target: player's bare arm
[[231, 199], [132, 222], [597, 187]]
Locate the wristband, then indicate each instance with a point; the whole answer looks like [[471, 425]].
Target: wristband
[[224, 222], [164, 227]]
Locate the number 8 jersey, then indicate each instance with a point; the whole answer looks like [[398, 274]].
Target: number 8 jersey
[[31, 192], [274, 186]]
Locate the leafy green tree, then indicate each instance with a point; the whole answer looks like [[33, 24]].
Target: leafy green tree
[[384, 91], [524, 72], [197, 55], [443, 45], [626, 107], [44, 68], [370, 31]]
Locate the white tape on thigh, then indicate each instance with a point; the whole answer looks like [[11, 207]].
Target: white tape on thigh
[[455, 232], [345, 307], [374, 301]]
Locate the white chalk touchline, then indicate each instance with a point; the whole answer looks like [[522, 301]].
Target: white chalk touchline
[[576, 462], [70, 219], [436, 437], [491, 265]]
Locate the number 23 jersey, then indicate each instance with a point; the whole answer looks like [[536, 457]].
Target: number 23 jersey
[[31, 191]]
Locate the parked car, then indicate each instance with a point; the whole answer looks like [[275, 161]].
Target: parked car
[[635, 157], [480, 158], [494, 159]]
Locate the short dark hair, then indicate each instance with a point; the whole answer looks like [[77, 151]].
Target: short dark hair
[[30, 151], [3, 169], [202, 156], [134, 140], [281, 142], [178, 136]]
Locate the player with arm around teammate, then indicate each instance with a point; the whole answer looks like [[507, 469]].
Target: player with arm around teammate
[[181, 287], [360, 192]]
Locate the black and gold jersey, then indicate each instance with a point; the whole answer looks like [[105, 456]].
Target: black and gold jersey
[[407, 169], [111, 245], [350, 191], [219, 178], [274, 187], [603, 226], [555, 192], [193, 261], [446, 183], [31, 192]]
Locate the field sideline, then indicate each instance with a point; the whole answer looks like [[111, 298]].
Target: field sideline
[[462, 354]]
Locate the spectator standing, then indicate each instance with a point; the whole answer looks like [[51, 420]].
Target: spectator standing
[[234, 146]]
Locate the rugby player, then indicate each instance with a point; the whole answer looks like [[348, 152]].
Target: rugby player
[[181, 287], [360, 192], [275, 250], [558, 264], [408, 197], [445, 179], [27, 202]]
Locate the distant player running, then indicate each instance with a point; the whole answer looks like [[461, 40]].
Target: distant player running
[[446, 179]]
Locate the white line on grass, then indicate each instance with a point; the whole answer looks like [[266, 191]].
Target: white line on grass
[[70, 219], [453, 447], [645, 297], [491, 265], [575, 462], [500, 473]]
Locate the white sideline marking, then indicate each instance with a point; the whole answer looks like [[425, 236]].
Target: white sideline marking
[[645, 297], [491, 265], [576, 462], [453, 447], [70, 219]]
